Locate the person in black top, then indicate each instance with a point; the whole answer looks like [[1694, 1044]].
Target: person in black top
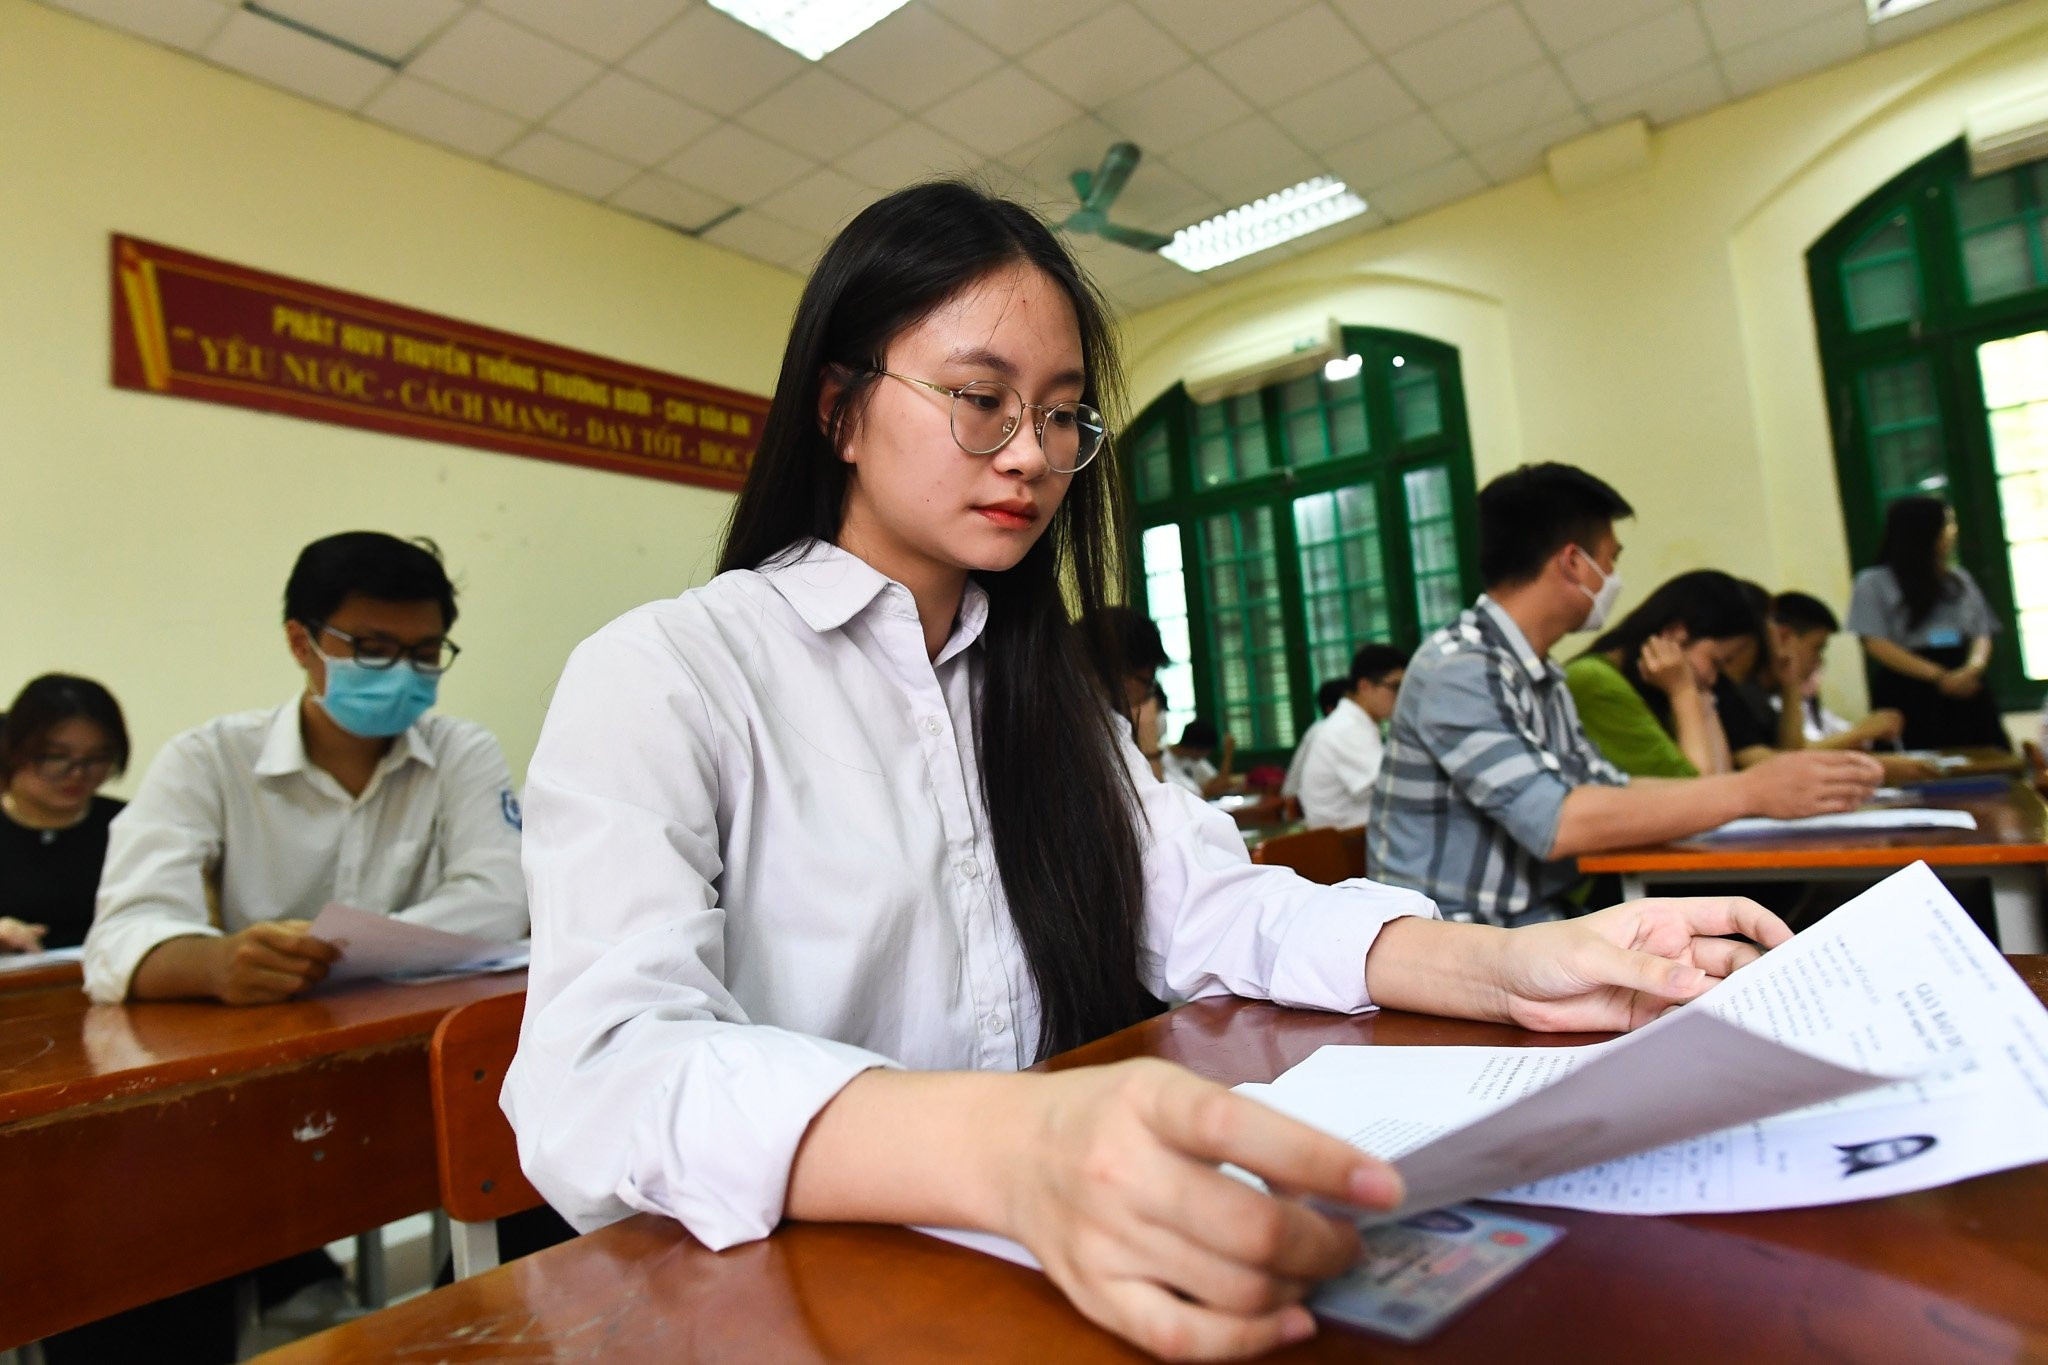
[[60, 742]]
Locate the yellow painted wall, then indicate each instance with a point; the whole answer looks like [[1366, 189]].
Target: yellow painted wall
[[1656, 329], [145, 540]]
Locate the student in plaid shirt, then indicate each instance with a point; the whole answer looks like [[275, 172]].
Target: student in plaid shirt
[[1490, 788]]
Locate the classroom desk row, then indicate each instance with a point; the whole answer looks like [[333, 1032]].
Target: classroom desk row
[[1956, 1275]]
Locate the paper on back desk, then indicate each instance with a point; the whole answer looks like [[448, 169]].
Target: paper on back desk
[[378, 945], [1846, 822], [1897, 982]]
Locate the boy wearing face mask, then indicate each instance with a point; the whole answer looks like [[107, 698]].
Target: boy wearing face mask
[[349, 792], [1490, 789]]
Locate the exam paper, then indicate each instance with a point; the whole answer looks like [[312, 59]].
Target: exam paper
[[1779, 1088], [380, 946], [1846, 822], [44, 957]]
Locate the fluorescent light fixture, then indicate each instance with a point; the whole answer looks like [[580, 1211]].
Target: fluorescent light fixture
[[810, 27], [1881, 10], [1263, 224], [1342, 368]]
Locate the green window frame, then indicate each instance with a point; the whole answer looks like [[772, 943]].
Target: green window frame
[[1906, 289], [1278, 530]]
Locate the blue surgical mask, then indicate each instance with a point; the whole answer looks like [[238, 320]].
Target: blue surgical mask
[[376, 703]]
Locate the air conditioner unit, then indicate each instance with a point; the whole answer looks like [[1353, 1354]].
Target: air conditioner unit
[[1260, 354], [2007, 133]]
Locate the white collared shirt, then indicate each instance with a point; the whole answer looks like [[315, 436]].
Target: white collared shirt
[[433, 839], [1190, 774], [759, 864], [1337, 776], [1302, 748]]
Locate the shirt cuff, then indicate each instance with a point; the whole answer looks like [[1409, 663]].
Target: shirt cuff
[[114, 952], [1321, 964]]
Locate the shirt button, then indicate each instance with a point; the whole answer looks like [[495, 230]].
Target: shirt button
[[933, 726], [997, 1025], [969, 868]]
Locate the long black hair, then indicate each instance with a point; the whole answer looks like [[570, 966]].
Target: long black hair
[[1911, 549], [1061, 804], [1711, 605]]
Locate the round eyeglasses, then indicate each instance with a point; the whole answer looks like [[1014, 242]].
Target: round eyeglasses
[[987, 413]]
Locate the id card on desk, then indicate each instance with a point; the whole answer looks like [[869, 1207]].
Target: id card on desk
[[1419, 1273]]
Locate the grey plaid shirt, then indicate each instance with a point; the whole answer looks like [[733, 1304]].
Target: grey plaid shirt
[[1484, 747]]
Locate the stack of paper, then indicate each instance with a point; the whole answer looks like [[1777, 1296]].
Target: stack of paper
[[1846, 822], [396, 950]]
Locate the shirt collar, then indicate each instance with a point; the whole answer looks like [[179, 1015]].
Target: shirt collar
[[1539, 668], [284, 748], [829, 587]]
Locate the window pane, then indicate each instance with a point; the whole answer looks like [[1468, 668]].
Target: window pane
[[1432, 544], [1998, 263], [1880, 279], [1349, 434], [1903, 423], [1152, 462], [1212, 461], [1166, 601], [2015, 378], [1300, 395], [1417, 411], [1306, 443], [1251, 674], [1343, 569], [1253, 458]]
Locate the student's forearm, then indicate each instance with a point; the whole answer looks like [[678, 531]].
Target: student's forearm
[[1432, 966], [179, 969], [1649, 810], [1690, 729], [1980, 654], [1899, 659], [1792, 717]]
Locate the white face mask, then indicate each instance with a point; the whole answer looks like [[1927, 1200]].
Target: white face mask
[[1603, 600]]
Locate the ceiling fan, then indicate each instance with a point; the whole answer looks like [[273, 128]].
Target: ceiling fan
[[1098, 190]]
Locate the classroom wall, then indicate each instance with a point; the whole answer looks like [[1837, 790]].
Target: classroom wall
[[145, 540], [1655, 329]]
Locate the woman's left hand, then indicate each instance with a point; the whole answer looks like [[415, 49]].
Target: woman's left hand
[[1621, 967]]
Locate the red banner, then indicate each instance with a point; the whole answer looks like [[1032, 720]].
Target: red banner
[[200, 328]]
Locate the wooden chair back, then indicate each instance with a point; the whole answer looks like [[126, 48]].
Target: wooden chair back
[[2037, 765], [473, 1144], [1317, 854]]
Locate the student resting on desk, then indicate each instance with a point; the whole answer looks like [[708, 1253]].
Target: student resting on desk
[[1788, 678], [1927, 629], [1645, 689], [1186, 762], [1336, 781], [348, 792], [59, 743], [823, 850], [1491, 788]]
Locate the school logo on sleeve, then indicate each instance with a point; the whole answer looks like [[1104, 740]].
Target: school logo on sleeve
[[509, 804]]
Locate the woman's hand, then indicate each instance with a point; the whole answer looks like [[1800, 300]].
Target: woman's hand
[[1960, 682], [18, 936], [1884, 724], [1664, 666], [1119, 1196], [1621, 967]]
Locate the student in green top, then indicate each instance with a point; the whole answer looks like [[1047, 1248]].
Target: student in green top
[[1645, 689]]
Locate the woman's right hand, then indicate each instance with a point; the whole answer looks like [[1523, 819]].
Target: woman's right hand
[[1960, 682], [1664, 666], [18, 936], [1120, 1198]]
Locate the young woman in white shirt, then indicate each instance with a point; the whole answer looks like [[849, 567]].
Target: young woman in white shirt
[[821, 853]]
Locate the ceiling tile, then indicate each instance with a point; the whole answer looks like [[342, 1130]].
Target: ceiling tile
[[821, 114], [1426, 190], [1296, 54], [820, 203], [189, 24], [631, 120], [1049, 161], [503, 65], [1667, 99], [567, 165], [906, 153], [1467, 55], [1164, 287], [606, 29], [1170, 113], [1507, 106], [1521, 152], [670, 201], [1567, 24], [1786, 55], [1111, 264], [1016, 28], [1739, 23], [714, 61], [1205, 25], [305, 66], [1641, 52], [913, 59], [1413, 144], [1391, 27], [1005, 110], [1246, 160], [1104, 57], [412, 106], [1160, 198], [1345, 109], [738, 165], [753, 234], [393, 29]]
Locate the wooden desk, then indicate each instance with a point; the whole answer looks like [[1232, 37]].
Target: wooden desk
[[2009, 846], [147, 1149], [1955, 1275], [45, 974]]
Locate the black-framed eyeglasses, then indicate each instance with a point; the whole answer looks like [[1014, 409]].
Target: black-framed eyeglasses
[[57, 767], [988, 412], [430, 658]]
